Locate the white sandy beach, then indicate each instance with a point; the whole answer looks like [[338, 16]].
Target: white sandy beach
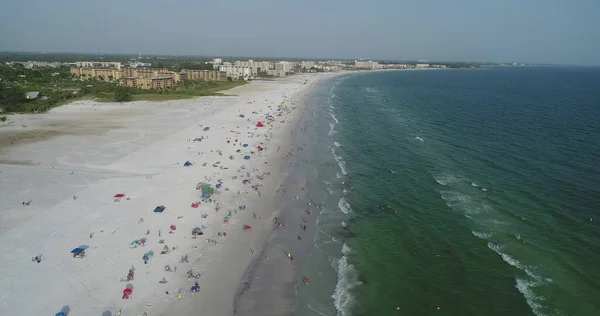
[[87, 152]]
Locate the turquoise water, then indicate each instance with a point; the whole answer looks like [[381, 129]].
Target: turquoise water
[[493, 175]]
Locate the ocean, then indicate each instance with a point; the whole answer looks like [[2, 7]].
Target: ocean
[[455, 192]]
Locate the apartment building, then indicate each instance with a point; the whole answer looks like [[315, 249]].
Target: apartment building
[[366, 64], [149, 83], [256, 67], [98, 64], [161, 77], [236, 72], [104, 74], [207, 75], [307, 64], [146, 72]]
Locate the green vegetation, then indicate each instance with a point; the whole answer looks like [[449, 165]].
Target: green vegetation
[[56, 87], [122, 94], [187, 90]]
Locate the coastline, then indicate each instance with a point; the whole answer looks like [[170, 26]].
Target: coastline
[[311, 197], [138, 149], [269, 283]]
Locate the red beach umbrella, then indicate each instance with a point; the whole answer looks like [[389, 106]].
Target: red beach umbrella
[[173, 227], [127, 292]]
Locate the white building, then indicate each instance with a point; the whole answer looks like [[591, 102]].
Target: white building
[[260, 66], [139, 64], [236, 72], [366, 64], [283, 66], [422, 66], [98, 64], [240, 63], [217, 61], [307, 64], [276, 73]]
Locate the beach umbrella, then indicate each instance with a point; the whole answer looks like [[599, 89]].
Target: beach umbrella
[[173, 227], [61, 314], [197, 229], [127, 292]]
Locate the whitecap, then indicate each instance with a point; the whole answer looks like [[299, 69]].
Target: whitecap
[[331, 129], [340, 161], [512, 261], [333, 117], [347, 279], [419, 138], [525, 288], [464, 203], [481, 235], [473, 184], [445, 178], [344, 206], [336, 144]]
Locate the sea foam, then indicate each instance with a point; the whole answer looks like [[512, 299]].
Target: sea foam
[[524, 286], [481, 234], [347, 279], [344, 206], [340, 161], [333, 117], [331, 129], [445, 178]]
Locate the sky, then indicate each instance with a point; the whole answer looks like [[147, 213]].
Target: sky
[[530, 31]]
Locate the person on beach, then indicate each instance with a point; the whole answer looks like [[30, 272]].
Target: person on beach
[[306, 281]]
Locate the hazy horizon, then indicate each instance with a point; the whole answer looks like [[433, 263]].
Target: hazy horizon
[[541, 32]]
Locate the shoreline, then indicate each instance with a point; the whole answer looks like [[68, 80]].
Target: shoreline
[[108, 152], [268, 286]]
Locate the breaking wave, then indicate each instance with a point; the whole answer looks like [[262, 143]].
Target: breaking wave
[[481, 235], [463, 203], [331, 129], [347, 279], [523, 285], [344, 206], [340, 161], [333, 117], [445, 178]]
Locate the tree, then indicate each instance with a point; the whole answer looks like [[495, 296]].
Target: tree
[[3, 119], [122, 94]]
